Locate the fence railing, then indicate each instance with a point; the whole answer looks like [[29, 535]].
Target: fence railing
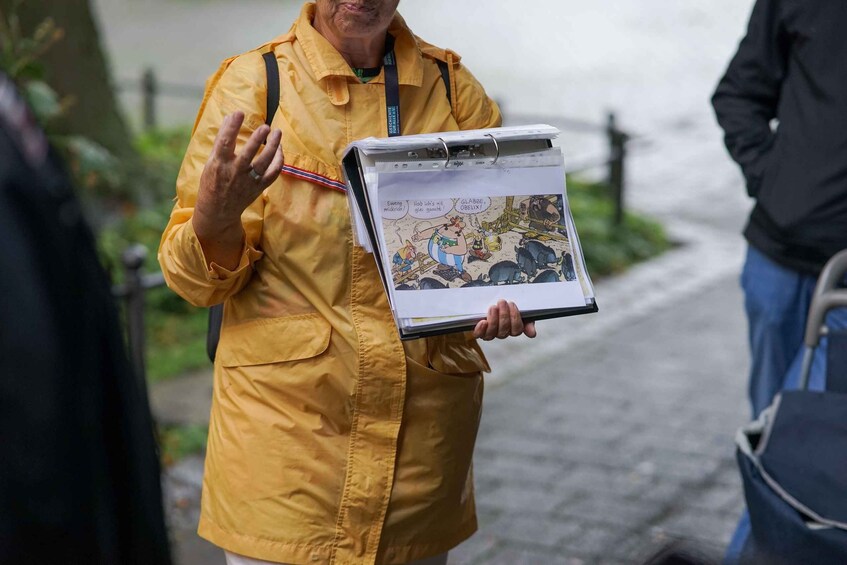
[[151, 89], [133, 292]]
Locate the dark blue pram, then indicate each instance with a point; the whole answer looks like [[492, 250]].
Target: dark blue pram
[[793, 459]]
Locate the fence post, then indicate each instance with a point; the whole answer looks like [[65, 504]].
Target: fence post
[[133, 259], [617, 157], [148, 93]]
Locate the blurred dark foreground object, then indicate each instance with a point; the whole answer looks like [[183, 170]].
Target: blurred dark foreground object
[[79, 475], [793, 459], [681, 553]]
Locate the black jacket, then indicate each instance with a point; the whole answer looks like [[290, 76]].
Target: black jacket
[[79, 476], [791, 67]]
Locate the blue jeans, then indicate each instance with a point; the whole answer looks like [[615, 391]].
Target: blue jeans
[[777, 301]]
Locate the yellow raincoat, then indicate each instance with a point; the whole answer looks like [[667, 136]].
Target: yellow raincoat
[[330, 439]]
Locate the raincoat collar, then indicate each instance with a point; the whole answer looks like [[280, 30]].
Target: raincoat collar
[[326, 61]]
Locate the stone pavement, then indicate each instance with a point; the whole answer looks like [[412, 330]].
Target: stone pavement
[[609, 435]]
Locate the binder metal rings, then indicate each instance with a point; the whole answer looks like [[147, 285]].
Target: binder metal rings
[[446, 152], [496, 146]]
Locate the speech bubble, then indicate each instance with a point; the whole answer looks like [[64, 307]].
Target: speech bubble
[[473, 205], [395, 209], [430, 209]]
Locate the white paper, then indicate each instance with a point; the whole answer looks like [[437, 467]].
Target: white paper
[[435, 241]]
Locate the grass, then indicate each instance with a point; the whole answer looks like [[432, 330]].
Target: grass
[[176, 442], [610, 249], [176, 342]]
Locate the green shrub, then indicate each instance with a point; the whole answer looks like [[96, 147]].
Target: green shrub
[[175, 330], [610, 249]]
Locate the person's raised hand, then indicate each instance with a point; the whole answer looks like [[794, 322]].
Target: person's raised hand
[[503, 320], [230, 182]]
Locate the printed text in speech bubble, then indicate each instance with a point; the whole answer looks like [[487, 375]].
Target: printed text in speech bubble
[[430, 209], [473, 205], [395, 209]]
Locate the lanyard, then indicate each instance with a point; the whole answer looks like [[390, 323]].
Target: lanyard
[[392, 88]]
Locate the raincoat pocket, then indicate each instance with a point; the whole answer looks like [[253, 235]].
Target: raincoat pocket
[[274, 340], [456, 354]]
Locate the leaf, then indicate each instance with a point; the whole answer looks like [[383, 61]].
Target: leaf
[[92, 162], [43, 100]]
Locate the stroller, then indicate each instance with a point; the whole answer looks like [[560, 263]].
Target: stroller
[[793, 459]]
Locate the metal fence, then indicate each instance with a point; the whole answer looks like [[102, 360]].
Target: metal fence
[[133, 293], [151, 89]]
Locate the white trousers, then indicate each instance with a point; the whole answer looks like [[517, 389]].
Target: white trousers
[[235, 559]]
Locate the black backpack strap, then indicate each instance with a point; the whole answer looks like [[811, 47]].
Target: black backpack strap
[[445, 76], [216, 312], [272, 69], [213, 336]]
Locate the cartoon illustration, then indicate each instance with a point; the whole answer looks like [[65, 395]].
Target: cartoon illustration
[[542, 214], [404, 258], [428, 283], [479, 250], [479, 241], [505, 272], [567, 267], [547, 276], [448, 247], [543, 255], [525, 261]]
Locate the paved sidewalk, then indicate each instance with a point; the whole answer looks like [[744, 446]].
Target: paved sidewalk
[[617, 446]]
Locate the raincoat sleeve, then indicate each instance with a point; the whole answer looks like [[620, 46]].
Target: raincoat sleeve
[[747, 97], [240, 85], [474, 109]]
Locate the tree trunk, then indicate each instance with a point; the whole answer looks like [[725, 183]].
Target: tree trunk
[[77, 67]]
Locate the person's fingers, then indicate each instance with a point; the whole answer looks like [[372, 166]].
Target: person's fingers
[[261, 163], [491, 324], [515, 320], [529, 329], [479, 329], [504, 327], [274, 168], [251, 147], [225, 140]]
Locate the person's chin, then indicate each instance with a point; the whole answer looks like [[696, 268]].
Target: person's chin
[[356, 22]]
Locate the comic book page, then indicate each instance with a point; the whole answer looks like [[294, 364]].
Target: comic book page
[[458, 240]]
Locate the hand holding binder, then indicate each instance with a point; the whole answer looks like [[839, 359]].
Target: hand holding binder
[[503, 320]]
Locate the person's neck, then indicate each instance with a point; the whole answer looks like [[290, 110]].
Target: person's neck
[[359, 52]]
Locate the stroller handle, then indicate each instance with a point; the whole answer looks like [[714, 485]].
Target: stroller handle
[[826, 297]]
